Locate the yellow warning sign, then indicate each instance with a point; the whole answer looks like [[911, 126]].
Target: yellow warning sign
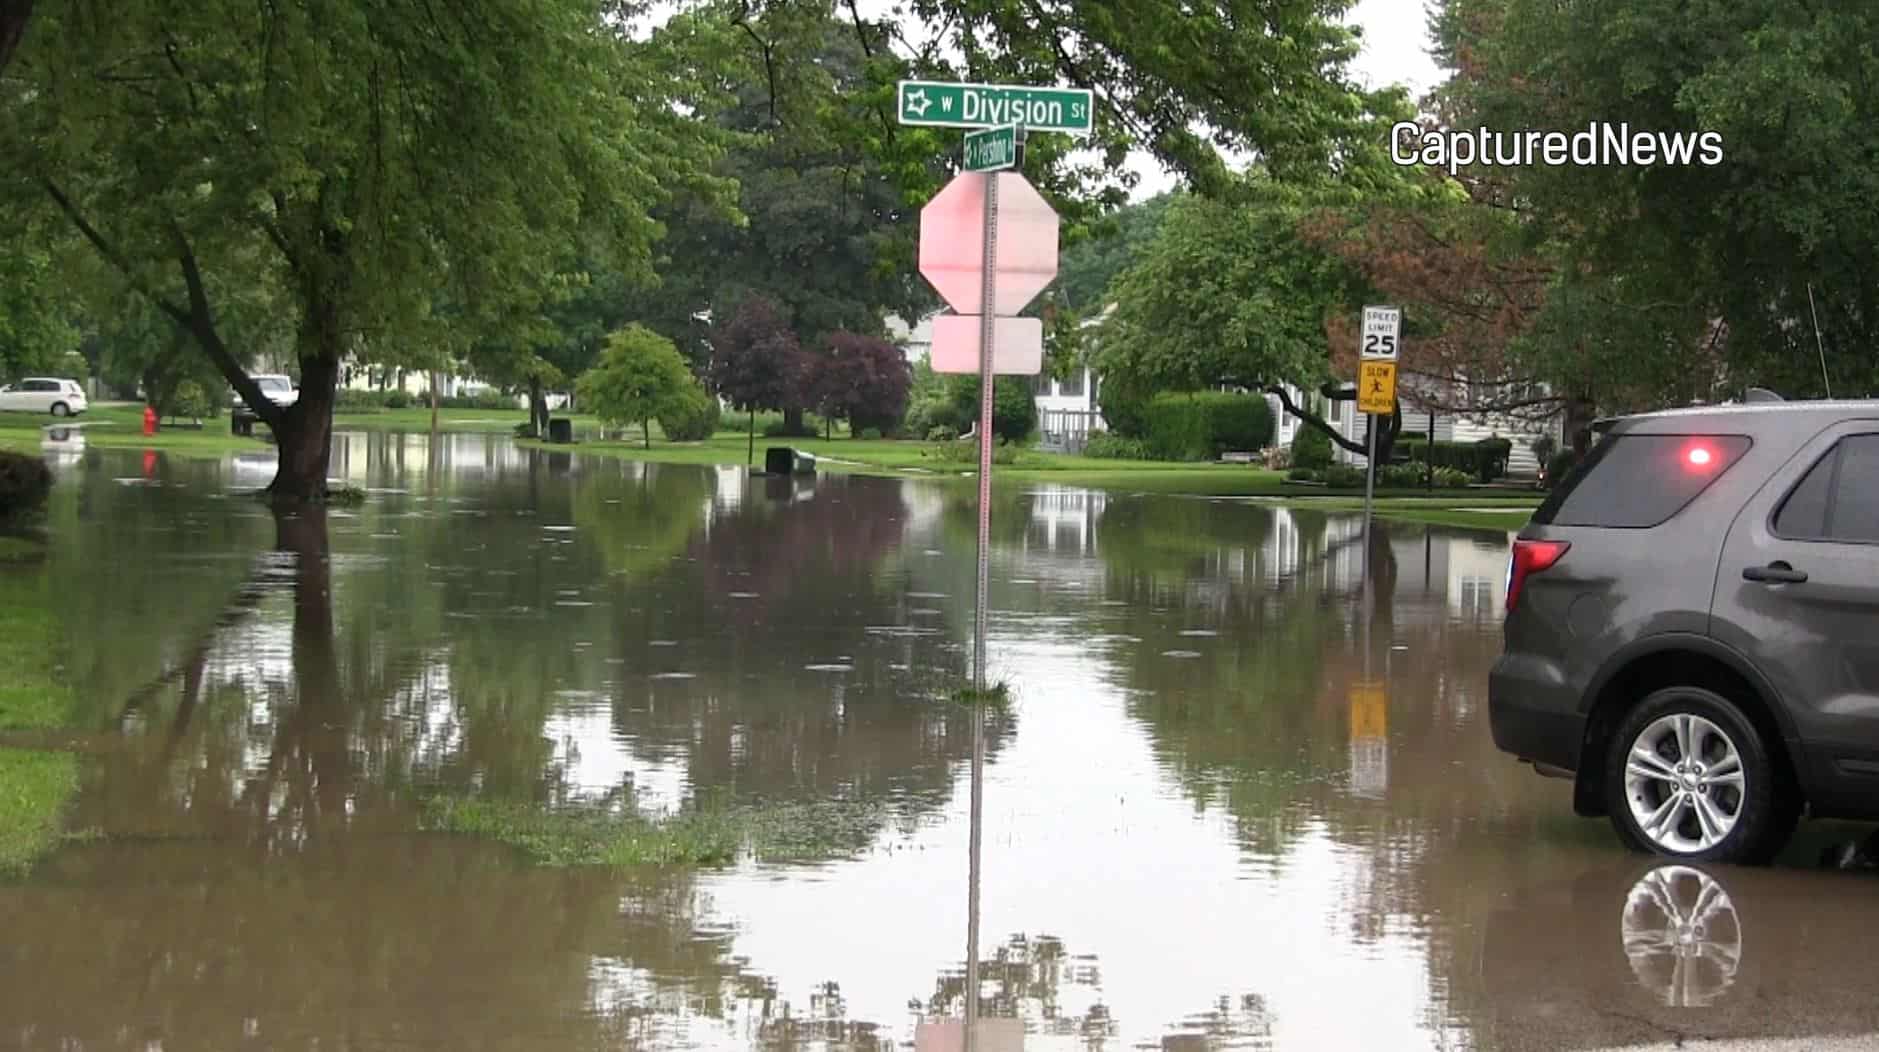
[[1370, 709], [1376, 387]]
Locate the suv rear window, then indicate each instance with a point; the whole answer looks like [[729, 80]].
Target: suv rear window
[[1639, 481], [1839, 498]]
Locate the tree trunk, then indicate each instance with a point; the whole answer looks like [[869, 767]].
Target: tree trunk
[[537, 408], [14, 14], [792, 421], [750, 453], [645, 429], [1429, 479], [433, 402], [1386, 437], [1580, 412], [305, 437]]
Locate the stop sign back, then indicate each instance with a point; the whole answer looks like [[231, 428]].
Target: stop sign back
[[952, 244]]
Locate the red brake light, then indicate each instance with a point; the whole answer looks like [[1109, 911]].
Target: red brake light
[[1700, 457], [1531, 557]]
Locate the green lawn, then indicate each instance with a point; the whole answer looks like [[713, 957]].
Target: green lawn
[[902, 458], [1501, 512], [122, 427], [714, 836], [34, 786], [487, 421]]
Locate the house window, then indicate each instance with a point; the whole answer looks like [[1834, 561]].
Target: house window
[[1072, 386]]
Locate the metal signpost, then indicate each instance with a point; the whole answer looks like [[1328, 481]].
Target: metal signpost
[[993, 276], [1376, 396], [1376, 387]]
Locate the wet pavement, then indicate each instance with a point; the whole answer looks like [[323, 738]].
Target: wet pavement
[[1235, 801]]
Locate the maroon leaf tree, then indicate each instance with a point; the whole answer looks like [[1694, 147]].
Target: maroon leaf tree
[[757, 363], [863, 380]]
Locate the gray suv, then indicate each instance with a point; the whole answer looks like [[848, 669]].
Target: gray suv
[[1693, 627]]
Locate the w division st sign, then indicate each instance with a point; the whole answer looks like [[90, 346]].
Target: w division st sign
[[942, 104]]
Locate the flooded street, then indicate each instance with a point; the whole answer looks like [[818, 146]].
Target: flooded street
[[1233, 803]]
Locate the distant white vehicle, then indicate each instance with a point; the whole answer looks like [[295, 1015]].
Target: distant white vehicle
[[279, 389], [44, 394]]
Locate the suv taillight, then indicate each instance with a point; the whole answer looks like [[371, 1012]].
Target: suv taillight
[[1531, 557]]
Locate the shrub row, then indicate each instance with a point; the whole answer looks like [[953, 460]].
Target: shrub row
[[1201, 425], [353, 400], [1107, 445], [693, 421], [1391, 476], [1485, 460], [1416, 475]]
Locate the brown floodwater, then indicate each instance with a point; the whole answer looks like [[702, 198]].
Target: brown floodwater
[[1234, 802]]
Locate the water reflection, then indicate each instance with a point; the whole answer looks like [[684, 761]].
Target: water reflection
[[1232, 797], [1682, 936]]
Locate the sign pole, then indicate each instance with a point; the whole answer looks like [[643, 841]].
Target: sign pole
[[987, 321], [1376, 395], [1370, 481]]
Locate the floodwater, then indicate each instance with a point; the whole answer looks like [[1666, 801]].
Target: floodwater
[[1233, 803]]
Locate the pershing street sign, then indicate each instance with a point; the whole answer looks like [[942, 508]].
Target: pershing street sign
[[992, 149], [943, 104]]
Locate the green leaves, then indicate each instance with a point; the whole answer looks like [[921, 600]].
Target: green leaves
[[1225, 293], [456, 158], [639, 377], [1652, 255]]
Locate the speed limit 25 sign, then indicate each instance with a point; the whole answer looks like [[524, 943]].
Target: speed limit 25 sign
[[1381, 333]]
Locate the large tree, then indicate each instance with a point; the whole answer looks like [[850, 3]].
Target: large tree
[[640, 376], [823, 225], [758, 363], [1230, 294], [863, 380], [458, 156], [1651, 256]]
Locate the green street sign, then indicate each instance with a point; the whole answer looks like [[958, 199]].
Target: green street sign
[[992, 149], [944, 105]]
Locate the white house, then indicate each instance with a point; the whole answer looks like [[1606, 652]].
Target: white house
[[1449, 427], [916, 339], [1066, 409]]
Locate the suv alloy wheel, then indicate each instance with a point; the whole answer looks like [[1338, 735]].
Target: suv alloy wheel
[[1689, 776]]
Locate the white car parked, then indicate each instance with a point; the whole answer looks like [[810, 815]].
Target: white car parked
[[277, 387], [42, 394]]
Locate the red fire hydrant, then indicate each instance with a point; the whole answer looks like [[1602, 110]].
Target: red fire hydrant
[[150, 420]]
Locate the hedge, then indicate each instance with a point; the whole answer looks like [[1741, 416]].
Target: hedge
[[1105, 445], [1486, 460], [1311, 448], [693, 421], [348, 399], [1201, 425], [1416, 474], [24, 483]]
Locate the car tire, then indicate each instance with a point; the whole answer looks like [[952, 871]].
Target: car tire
[[61, 409], [1721, 799]]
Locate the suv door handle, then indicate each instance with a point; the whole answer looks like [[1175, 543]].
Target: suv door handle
[[1775, 573]]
